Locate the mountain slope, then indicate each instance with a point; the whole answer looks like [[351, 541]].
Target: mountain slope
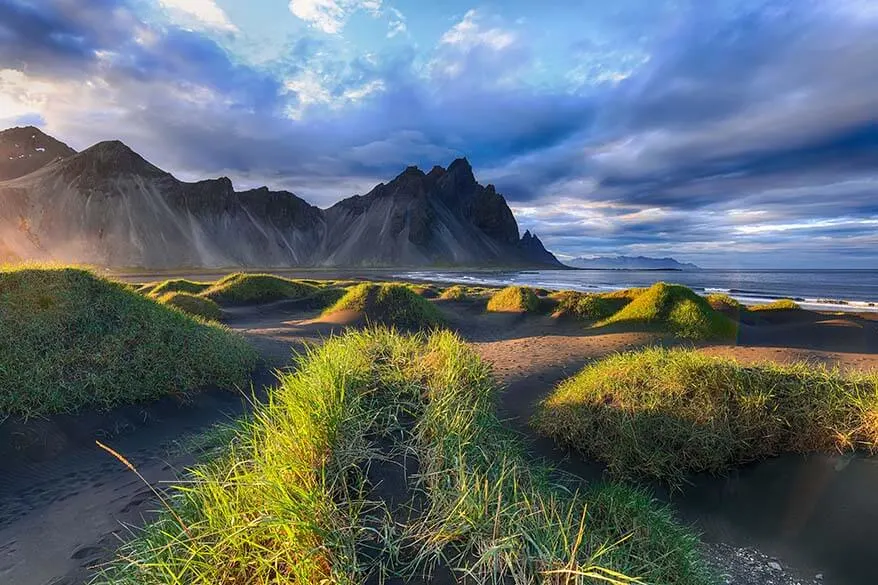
[[24, 150], [109, 206]]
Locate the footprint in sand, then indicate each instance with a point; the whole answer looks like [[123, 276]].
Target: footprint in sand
[[86, 553]]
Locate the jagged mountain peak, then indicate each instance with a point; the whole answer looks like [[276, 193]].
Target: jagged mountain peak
[[412, 170], [457, 177], [460, 164], [26, 149], [461, 172]]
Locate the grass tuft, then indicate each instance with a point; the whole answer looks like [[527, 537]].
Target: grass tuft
[[514, 299], [389, 304], [778, 305], [243, 288], [291, 501], [676, 309], [723, 303], [454, 293], [70, 340], [664, 413], [192, 304]]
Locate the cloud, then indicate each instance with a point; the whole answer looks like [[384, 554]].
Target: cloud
[[716, 133], [202, 12], [469, 33], [469, 49], [313, 91], [397, 23], [330, 16]]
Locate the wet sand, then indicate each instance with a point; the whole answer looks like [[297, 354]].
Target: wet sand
[[66, 510]]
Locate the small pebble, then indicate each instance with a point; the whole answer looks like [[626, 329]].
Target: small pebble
[[774, 565]]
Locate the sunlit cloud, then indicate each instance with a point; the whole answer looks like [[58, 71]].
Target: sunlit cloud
[[204, 12], [469, 33], [330, 16]]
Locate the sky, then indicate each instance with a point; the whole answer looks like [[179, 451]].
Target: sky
[[729, 133]]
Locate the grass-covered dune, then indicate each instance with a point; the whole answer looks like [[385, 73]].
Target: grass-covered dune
[[583, 306], [723, 303], [676, 309], [174, 285], [514, 299], [778, 305], [292, 500], [389, 304], [70, 339], [459, 292], [243, 288], [663, 413], [428, 291], [591, 307], [192, 304], [456, 292]]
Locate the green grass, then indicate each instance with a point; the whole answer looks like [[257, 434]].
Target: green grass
[[675, 309], [597, 305], [626, 295], [583, 306], [71, 340], [663, 413], [175, 285], [389, 304], [242, 288], [779, 305], [723, 303], [291, 501], [192, 304], [325, 297], [514, 299]]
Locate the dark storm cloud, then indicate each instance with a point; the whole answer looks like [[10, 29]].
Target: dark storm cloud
[[773, 112], [768, 94], [57, 35]]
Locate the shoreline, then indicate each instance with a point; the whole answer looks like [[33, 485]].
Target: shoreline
[[745, 297]]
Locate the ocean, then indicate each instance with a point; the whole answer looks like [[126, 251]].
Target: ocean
[[828, 290]]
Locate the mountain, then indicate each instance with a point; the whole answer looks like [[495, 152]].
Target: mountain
[[107, 205], [629, 263], [440, 217], [24, 150]]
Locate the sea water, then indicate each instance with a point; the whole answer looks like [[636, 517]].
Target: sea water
[[828, 290]]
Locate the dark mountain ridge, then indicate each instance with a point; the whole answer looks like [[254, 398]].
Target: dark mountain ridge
[[107, 205], [630, 263]]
